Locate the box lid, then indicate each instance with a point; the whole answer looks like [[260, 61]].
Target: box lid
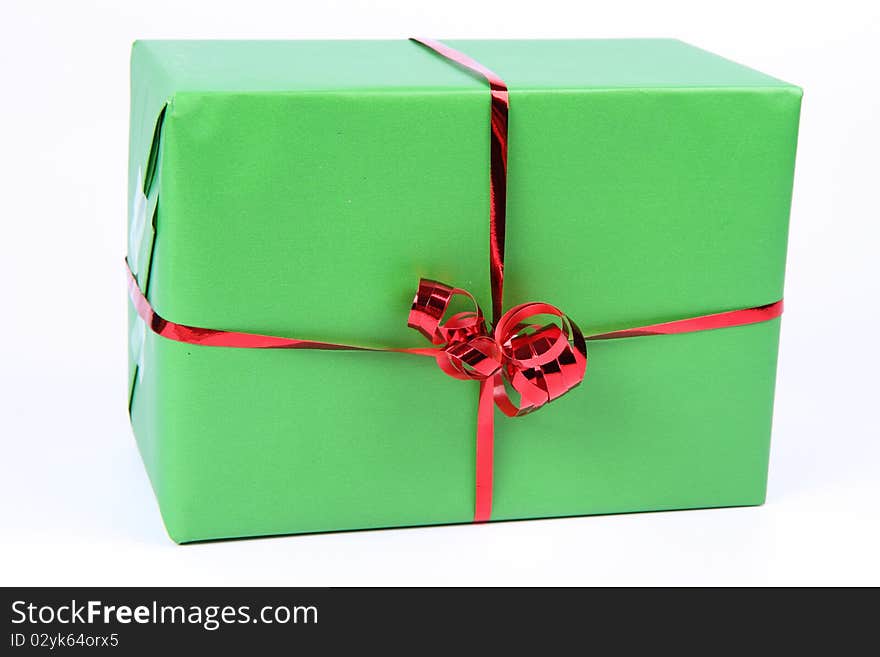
[[361, 65]]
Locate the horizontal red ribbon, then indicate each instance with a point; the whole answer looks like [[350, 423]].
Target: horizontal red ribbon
[[703, 323], [237, 339]]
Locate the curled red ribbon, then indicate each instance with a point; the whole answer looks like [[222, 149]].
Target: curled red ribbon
[[500, 108], [537, 361], [540, 362]]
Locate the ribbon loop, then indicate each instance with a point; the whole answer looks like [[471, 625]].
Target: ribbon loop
[[431, 305], [542, 362]]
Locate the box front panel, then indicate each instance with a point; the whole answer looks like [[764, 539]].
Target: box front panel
[[313, 215]]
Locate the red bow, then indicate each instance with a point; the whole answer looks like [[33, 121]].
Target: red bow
[[540, 362]]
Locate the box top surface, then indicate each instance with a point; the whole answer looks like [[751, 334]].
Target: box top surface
[[274, 66]]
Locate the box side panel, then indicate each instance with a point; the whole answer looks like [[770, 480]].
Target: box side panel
[[150, 88]]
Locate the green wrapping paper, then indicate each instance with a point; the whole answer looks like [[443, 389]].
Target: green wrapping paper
[[303, 188]]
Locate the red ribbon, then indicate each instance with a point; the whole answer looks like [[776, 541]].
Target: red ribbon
[[539, 362], [497, 165], [533, 350]]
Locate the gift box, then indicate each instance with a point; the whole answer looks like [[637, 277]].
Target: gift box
[[302, 189]]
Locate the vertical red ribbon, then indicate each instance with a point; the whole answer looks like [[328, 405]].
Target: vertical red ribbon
[[497, 165], [485, 451], [500, 109]]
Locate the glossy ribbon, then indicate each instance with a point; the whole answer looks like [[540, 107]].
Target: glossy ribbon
[[527, 357], [500, 108]]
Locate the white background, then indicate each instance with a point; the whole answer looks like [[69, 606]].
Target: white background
[[75, 503]]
